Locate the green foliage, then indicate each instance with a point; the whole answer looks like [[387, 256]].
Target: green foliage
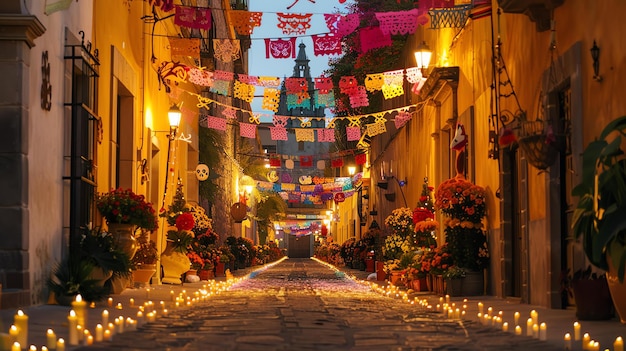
[[209, 141], [599, 215], [180, 239], [147, 252], [72, 277], [270, 207], [177, 206], [98, 249]]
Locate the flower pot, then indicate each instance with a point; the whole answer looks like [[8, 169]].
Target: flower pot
[[174, 265], [454, 287], [100, 276], [593, 299], [380, 271], [369, 266], [143, 274], [418, 284], [474, 283], [618, 290], [395, 278], [124, 237], [205, 274], [219, 269]]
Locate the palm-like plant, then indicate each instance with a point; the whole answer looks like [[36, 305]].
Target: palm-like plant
[[599, 215], [270, 208]]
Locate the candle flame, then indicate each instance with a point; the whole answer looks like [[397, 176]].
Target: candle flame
[[73, 313], [20, 313], [79, 298]]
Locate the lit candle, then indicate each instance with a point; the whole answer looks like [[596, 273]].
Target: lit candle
[[13, 333], [105, 317], [618, 344], [480, 307], [543, 331], [33, 348], [516, 318], [80, 307], [16, 346], [20, 320], [99, 333], [119, 325], [60, 344], [529, 327], [131, 302], [172, 296], [535, 316], [490, 311], [107, 335], [535, 331], [72, 323], [51, 339], [110, 302], [567, 342], [505, 327], [119, 306], [80, 333], [586, 339], [576, 331], [43, 348], [148, 291], [518, 330], [89, 340]]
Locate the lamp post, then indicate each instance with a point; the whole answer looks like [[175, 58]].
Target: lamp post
[[422, 57], [174, 116]]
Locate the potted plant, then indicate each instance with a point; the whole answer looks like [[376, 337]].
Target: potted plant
[[463, 204], [123, 206], [124, 212], [174, 259], [89, 270], [591, 294], [145, 260], [599, 214], [453, 278]]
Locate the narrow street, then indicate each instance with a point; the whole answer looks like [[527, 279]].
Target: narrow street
[[300, 304]]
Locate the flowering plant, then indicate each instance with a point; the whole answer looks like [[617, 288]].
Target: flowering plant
[[201, 220], [464, 204], [439, 259], [400, 220], [454, 272], [395, 246], [461, 199], [124, 206]]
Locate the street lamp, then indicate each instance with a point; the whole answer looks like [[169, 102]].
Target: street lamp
[[422, 57], [174, 115], [351, 170]]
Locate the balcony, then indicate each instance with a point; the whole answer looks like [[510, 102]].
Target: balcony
[[537, 10]]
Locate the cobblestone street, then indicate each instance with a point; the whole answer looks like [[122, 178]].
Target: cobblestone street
[[300, 304]]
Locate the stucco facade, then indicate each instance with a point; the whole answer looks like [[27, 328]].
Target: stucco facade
[[529, 209]]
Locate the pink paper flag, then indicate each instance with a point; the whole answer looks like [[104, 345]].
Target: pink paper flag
[[278, 133], [247, 130], [216, 123], [193, 17], [353, 133], [326, 44], [326, 135], [373, 38], [280, 48]]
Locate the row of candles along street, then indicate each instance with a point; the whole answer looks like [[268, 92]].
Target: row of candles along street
[[534, 328], [78, 334], [148, 312]]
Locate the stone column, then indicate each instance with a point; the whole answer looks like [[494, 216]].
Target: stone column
[[17, 34]]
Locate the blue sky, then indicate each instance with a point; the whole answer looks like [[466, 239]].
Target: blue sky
[[259, 65]]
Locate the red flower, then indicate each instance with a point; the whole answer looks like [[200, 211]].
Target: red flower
[[185, 221]]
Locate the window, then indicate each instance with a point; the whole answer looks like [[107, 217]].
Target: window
[[82, 127]]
